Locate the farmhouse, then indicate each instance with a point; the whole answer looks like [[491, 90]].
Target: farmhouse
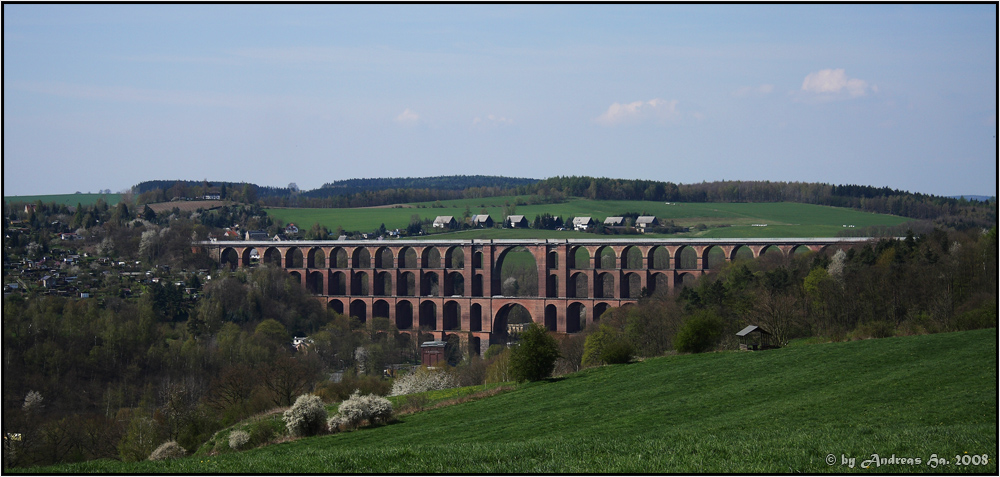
[[257, 235], [583, 223], [517, 222], [614, 222], [482, 221], [646, 221], [444, 222]]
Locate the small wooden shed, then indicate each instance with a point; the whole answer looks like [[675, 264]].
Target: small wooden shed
[[756, 338], [432, 353]]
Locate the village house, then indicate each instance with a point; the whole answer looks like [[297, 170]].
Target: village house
[[614, 222], [646, 221], [517, 222], [482, 221], [583, 224], [444, 222]]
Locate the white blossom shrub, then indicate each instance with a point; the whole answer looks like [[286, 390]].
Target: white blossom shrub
[[168, 450], [238, 439], [337, 422], [306, 417], [422, 380], [32, 401], [357, 409]]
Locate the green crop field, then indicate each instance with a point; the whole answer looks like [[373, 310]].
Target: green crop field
[[723, 220], [811, 408], [65, 199]]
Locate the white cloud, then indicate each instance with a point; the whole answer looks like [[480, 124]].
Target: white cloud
[[836, 83], [654, 109], [408, 116]]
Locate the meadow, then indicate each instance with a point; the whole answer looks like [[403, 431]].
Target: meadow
[[722, 220], [808, 408]]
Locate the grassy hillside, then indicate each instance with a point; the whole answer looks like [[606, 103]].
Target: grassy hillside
[[783, 219], [777, 411], [67, 199]]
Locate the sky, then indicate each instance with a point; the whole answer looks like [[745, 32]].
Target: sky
[[107, 96]]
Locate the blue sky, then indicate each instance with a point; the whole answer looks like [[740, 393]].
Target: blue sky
[[106, 96]]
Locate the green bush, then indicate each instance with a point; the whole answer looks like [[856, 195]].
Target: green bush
[[534, 358], [983, 317], [617, 352], [701, 332]]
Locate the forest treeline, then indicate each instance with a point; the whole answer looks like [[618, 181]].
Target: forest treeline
[[944, 211]]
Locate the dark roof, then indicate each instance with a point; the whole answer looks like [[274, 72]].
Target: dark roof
[[751, 329]]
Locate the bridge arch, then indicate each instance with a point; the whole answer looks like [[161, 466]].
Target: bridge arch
[[599, 309], [632, 258], [338, 284], [428, 315], [359, 310], [579, 258], [336, 305], [454, 257], [361, 258], [430, 258], [380, 309], [404, 315], [272, 256], [293, 258], [576, 317], [452, 316], [741, 252], [713, 257], [316, 258], [406, 285], [631, 286], [511, 261], [359, 284], [383, 284], [229, 258], [383, 258], [658, 258], [476, 317], [686, 258], [579, 286], [407, 258], [315, 283], [454, 284], [606, 258], [339, 258], [551, 318]]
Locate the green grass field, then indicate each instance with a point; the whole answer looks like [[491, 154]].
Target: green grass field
[[779, 411], [66, 199], [723, 220]]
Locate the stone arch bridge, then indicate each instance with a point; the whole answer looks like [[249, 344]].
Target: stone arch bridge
[[443, 287]]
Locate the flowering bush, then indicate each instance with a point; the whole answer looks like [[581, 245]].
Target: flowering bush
[[422, 380], [358, 409], [306, 417], [168, 450], [238, 439]]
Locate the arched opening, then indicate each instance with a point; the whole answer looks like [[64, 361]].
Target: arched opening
[[686, 259], [407, 285], [579, 258], [359, 286], [632, 286], [293, 258], [429, 285], [339, 258], [659, 258], [510, 319], [579, 287], [455, 284], [428, 316], [336, 305], [229, 258], [686, 280], [250, 257], [407, 258], [660, 284], [404, 315], [477, 285], [454, 257], [314, 283], [338, 284], [272, 257], [632, 258], [383, 284], [475, 317], [359, 310], [452, 317], [383, 258], [317, 258], [380, 309], [801, 250], [599, 310], [518, 273], [551, 320], [607, 258], [475, 346], [296, 276], [742, 252], [714, 257], [604, 286], [553, 260], [361, 258], [576, 317], [430, 258], [552, 286], [477, 259]]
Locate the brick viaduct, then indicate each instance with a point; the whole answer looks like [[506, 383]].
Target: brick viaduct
[[441, 287]]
